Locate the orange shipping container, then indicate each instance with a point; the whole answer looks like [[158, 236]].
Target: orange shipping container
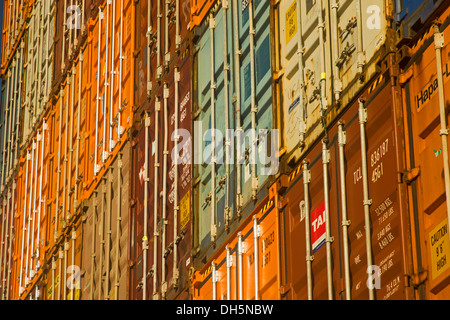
[[110, 88], [343, 211], [14, 23], [32, 217], [427, 128], [232, 273], [9, 209], [199, 9]]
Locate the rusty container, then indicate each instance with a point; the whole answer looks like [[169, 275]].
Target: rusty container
[[427, 121], [247, 266], [325, 211], [161, 210], [167, 32]]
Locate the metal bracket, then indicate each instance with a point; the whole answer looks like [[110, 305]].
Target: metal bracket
[[439, 40], [346, 223], [363, 115], [411, 175], [326, 156], [307, 176], [229, 261], [415, 280], [342, 137]]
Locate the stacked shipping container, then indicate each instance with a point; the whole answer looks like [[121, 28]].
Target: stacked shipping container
[[140, 143], [233, 95], [15, 13], [90, 121], [160, 234], [425, 102]]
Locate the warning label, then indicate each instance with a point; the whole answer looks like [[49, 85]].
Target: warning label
[[185, 210], [291, 22], [439, 249]]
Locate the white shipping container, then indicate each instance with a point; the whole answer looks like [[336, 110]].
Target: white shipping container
[[38, 68], [312, 68]]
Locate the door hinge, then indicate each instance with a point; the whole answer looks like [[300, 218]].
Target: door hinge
[[284, 290], [410, 176], [415, 280]]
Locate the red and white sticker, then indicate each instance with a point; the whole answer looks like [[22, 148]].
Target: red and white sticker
[[318, 227]]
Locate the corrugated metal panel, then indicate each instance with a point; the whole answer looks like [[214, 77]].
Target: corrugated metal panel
[[167, 25], [169, 244], [72, 20], [230, 275], [426, 153], [33, 184], [105, 237], [9, 209], [388, 244], [37, 67], [10, 116], [318, 78], [110, 81], [248, 106], [14, 23], [68, 127]]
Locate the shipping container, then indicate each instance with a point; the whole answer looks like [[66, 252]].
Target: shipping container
[[63, 270], [12, 97], [167, 32], [68, 124], [412, 15], [32, 218], [424, 87], [37, 67], [110, 82], [72, 19], [15, 14], [344, 207], [105, 236], [160, 228], [327, 52], [9, 212], [247, 266], [233, 120], [199, 10]]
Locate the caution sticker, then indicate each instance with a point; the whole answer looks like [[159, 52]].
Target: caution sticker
[[439, 249], [291, 22], [185, 210]]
